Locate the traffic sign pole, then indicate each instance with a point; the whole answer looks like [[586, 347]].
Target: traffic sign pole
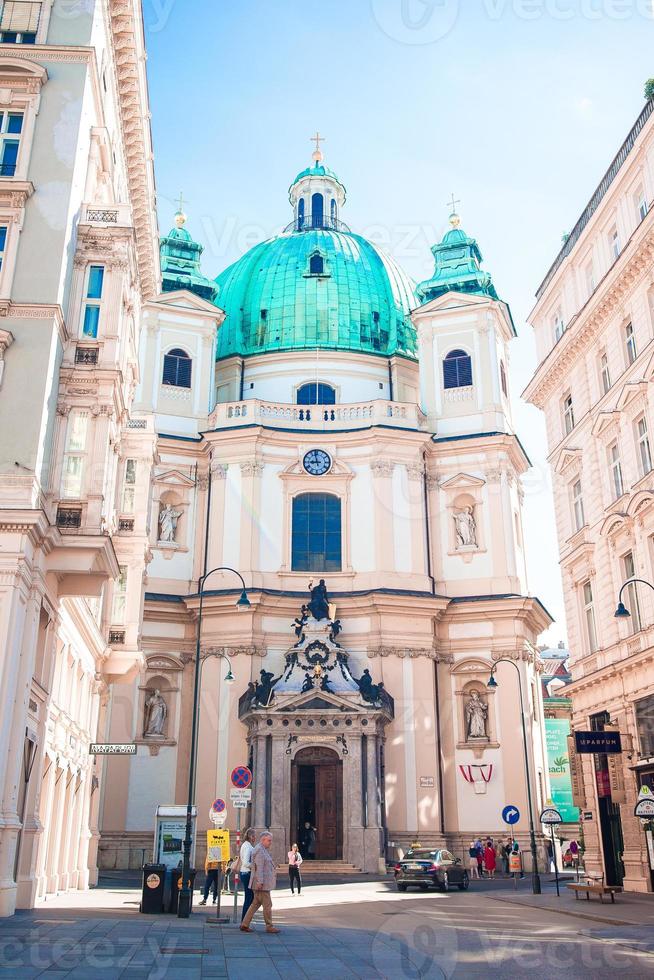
[[556, 863]]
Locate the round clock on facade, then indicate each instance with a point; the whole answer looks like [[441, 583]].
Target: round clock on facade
[[317, 462]]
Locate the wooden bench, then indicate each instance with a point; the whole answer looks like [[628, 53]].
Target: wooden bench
[[595, 888]]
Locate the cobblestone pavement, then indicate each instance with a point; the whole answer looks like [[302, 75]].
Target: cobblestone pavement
[[347, 930]]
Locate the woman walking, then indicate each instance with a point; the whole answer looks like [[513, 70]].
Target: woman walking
[[294, 862], [247, 847]]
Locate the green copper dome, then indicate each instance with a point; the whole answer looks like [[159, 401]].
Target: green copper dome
[[318, 287]]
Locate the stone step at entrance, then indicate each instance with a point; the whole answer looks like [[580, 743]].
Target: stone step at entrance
[[325, 868]]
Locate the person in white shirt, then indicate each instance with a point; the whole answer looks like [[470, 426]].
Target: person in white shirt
[[294, 862], [247, 848]]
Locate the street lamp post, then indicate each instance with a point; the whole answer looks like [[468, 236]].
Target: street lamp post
[[242, 604], [622, 612], [492, 683]]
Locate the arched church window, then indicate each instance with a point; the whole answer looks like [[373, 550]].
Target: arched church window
[[300, 214], [457, 370], [317, 210], [316, 533], [333, 212], [505, 387], [316, 264], [316, 393], [177, 369]]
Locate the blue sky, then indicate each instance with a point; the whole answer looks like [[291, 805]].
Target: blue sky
[[516, 106]]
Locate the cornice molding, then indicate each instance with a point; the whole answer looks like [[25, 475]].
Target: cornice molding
[[584, 330], [126, 27]]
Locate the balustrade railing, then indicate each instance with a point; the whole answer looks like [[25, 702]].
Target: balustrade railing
[[358, 415]]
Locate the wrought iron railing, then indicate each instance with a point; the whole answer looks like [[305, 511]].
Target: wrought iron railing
[[310, 222], [126, 524], [137, 424], [109, 217], [7, 169], [69, 518], [86, 355], [117, 638]]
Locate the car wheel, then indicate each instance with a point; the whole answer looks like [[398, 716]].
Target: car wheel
[[465, 882], [446, 883], [401, 888], [423, 888]]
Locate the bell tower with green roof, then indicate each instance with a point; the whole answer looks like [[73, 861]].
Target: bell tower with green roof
[[180, 262], [458, 267]]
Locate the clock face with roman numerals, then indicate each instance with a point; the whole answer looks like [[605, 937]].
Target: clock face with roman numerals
[[317, 462]]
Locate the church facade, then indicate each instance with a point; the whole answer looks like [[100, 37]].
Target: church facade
[[311, 425]]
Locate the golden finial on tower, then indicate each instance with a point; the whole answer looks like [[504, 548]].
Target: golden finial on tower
[[316, 156], [180, 217], [455, 220]]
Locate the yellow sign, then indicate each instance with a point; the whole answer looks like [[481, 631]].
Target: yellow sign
[[218, 845]]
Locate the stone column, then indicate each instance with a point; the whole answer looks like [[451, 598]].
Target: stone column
[[353, 833], [259, 804], [374, 860], [280, 789]]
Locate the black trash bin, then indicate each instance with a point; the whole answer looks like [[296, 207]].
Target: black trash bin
[[176, 887], [152, 895]]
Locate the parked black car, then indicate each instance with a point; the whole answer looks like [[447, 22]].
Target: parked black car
[[430, 869]]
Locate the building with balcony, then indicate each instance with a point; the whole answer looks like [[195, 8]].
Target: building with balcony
[[78, 258], [311, 414], [319, 416], [594, 329]]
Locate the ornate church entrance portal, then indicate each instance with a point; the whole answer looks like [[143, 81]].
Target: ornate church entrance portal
[[317, 799]]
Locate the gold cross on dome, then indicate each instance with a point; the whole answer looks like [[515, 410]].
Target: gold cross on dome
[[318, 140], [180, 209], [452, 205]]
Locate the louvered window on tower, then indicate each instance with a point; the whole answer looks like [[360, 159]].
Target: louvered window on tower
[[457, 370], [19, 22], [177, 369]]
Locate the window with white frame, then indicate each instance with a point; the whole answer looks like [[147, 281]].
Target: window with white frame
[[578, 506], [589, 617], [558, 326], [605, 373], [72, 479], [19, 22], [119, 601], [630, 343], [614, 243], [129, 486], [633, 604], [616, 470], [11, 128], [644, 448], [93, 301], [641, 204], [568, 414]]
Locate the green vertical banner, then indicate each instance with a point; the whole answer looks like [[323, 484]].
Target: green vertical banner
[[556, 736]]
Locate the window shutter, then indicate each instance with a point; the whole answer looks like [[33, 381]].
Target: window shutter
[[20, 16]]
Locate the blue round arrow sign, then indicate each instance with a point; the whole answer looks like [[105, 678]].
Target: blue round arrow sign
[[510, 814]]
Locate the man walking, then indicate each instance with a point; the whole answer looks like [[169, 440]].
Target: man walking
[[263, 878]]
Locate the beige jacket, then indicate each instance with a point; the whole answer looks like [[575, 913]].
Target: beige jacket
[[264, 874]]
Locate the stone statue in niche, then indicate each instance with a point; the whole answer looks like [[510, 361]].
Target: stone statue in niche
[[156, 711], [476, 717], [319, 603], [168, 518], [466, 528]]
